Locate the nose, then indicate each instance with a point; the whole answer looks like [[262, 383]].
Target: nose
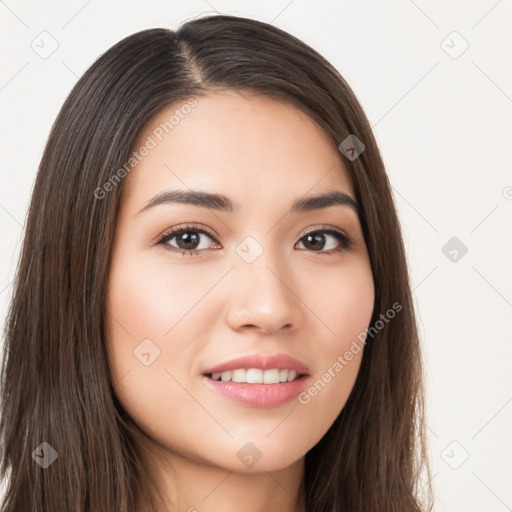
[[264, 297]]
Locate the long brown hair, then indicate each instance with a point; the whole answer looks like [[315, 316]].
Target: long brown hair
[[56, 387]]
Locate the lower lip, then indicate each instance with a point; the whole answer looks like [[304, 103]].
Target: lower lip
[[259, 395]]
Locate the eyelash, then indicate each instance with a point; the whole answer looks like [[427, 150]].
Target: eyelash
[[346, 243]]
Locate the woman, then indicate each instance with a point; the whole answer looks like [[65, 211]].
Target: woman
[[212, 307]]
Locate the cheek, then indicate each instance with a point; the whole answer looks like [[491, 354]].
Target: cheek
[[153, 330], [346, 308], [355, 309], [138, 315], [150, 342], [143, 300], [343, 303], [151, 299]]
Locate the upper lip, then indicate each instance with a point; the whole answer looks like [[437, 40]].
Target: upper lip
[[264, 362]]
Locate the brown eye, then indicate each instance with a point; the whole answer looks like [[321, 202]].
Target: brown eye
[[317, 240], [188, 240], [193, 240]]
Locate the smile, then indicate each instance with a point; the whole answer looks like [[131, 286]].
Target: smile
[[256, 376], [259, 395]]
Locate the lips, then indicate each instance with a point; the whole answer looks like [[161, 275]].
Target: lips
[[261, 361], [258, 395]]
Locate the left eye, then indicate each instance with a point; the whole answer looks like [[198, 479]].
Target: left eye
[[318, 238], [188, 239]]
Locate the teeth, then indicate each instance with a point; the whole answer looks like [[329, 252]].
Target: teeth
[[256, 376], [238, 376]]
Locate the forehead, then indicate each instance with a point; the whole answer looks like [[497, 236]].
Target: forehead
[[247, 147]]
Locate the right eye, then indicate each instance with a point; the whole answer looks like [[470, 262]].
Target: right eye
[[188, 239]]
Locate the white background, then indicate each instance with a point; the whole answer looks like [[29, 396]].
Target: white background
[[444, 125]]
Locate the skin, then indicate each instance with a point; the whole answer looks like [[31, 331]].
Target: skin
[[263, 154]]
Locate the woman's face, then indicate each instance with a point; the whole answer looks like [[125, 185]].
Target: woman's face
[[257, 283]]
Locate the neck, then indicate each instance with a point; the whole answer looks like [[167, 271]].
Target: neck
[[197, 486]]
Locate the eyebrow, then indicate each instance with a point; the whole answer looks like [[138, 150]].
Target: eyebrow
[[224, 204]]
